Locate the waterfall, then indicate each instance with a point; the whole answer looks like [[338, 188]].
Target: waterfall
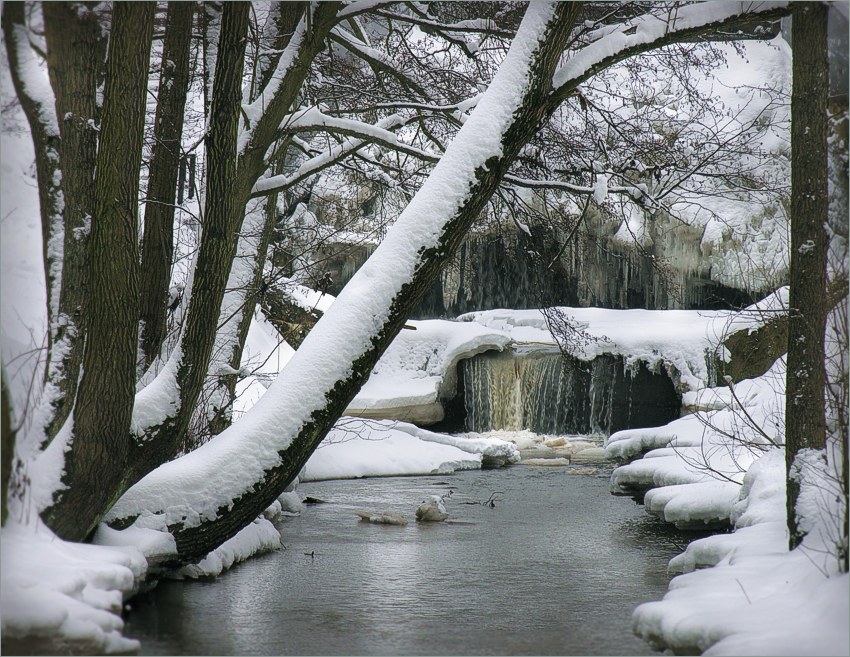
[[546, 393]]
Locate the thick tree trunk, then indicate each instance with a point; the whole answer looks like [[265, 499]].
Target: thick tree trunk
[[804, 411], [100, 440], [76, 49], [157, 242]]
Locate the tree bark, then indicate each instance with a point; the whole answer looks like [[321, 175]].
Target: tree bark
[[7, 446], [804, 411], [97, 462], [158, 239], [76, 48]]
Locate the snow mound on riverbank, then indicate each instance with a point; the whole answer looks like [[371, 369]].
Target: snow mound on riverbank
[[757, 598], [69, 594], [360, 448], [753, 596]]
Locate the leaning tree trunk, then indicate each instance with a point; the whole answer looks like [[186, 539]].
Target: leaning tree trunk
[[804, 410], [533, 58], [100, 437], [76, 48], [158, 239]]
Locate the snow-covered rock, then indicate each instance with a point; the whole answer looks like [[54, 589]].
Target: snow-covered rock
[[432, 510]]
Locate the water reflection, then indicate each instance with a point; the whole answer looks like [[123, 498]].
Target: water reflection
[[555, 568]]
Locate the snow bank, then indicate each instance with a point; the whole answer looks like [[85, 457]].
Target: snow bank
[[358, 448], [752, 597], [66, 593], [757, 599]]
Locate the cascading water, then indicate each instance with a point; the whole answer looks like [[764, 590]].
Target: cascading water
[[546, 393]]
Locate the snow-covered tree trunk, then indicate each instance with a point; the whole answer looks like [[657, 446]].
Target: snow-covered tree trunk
[[99, 429], [805, 427], [336, 358], [76, 50], [158, 238]]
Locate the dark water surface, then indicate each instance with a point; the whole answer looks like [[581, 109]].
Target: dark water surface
[[556, 567]]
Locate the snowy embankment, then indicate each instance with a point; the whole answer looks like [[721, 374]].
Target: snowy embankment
[[752, 595]]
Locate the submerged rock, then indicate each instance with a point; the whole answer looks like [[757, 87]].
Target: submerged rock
[[432, 510], [382, 517], [548, 462]]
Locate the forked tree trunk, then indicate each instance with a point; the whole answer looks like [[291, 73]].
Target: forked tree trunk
[[805, 426], [158, 239], [100, 438], [218, 240], [231, 175]]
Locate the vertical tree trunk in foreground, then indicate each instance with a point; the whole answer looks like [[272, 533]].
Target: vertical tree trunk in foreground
[[7, 446], [804, 410], [158, 240], [76, 47], [101, 431]]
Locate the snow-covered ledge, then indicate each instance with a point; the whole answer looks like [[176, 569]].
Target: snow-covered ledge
[[419, 370]]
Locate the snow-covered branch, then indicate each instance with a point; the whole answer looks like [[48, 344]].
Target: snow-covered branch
[[650, 31]]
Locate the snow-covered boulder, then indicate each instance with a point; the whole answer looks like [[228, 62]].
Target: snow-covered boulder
[[432, 510]]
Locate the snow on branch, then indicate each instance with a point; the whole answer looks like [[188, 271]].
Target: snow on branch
[[650, 31], [34, 84], [474, 26], [254, 111], [360, 135]]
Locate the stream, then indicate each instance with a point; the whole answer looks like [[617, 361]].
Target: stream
[[556, 566]]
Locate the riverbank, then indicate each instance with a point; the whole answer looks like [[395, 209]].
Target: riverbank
[[742, 593]]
